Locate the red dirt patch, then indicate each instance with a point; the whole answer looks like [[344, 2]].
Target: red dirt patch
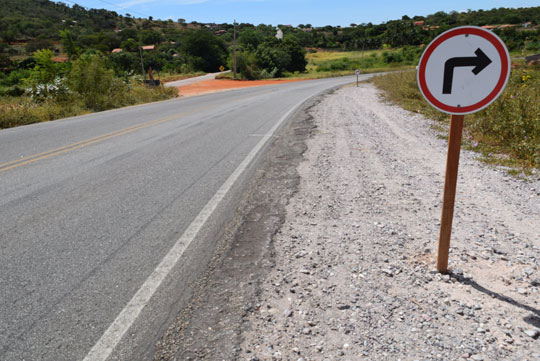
[[211, 86]]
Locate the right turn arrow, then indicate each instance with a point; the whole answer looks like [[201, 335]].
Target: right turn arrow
[[480, 62]]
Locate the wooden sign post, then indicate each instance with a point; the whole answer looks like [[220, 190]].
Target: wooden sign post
[[461, 72], [450, 184]]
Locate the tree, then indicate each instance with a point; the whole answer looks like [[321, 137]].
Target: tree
[[250, 38], [272, 58], [130, 45], [297, 54], [155, 60], [45, 70], [124, 62], [96, 85], [151, 37], [129, 33], [206, 51], [70, 48]]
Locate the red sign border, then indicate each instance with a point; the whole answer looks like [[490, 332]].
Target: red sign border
[[462, 30]]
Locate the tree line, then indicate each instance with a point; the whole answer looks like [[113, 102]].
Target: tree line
[[183, 47]]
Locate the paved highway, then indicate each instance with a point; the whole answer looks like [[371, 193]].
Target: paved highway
[[106, 218]]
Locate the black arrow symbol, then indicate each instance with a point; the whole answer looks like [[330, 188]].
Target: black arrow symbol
[[480, 62]]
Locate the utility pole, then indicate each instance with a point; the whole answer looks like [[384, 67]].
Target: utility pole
[[142, 63], [234, 49]]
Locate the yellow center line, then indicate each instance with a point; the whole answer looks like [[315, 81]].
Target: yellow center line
[[67, 148], [83, 143]]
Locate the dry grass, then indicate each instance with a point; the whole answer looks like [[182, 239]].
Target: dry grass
[[16, 111], [505, 133]]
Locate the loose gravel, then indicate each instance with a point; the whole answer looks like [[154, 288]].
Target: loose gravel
[[354, 275]]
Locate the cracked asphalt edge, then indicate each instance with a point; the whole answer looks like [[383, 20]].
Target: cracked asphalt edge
[[210, 326]]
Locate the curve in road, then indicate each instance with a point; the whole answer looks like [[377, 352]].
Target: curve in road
[[108, 217]]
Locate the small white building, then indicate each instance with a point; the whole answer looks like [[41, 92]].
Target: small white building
[[279, 34]]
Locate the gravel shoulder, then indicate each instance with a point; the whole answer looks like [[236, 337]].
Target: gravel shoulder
[[354, 260], [332, 255]]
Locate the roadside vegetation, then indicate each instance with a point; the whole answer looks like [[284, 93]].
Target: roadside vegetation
[[58, 60], [53, 91], [328, 63], [505, 133]]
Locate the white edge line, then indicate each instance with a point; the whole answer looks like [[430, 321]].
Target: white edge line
[[112, 337]]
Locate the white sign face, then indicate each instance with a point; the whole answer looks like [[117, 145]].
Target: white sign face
[[357, 72], [464, 70]]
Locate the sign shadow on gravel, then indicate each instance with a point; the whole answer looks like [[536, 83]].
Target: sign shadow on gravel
[[531, 319]]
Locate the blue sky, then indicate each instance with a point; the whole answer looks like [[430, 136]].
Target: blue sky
[[294, 12]]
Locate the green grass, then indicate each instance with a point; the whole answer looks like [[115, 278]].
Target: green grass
[[336, 61], [322, 56], [505, 133], [327, 64]]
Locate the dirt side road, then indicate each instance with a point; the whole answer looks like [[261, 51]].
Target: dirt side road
[[218, 85], [354, 260], [343, 269]]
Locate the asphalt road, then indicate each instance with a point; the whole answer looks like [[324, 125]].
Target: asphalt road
[[90, 206]]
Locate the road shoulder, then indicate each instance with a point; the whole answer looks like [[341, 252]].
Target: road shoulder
[[335, 259], [354, 274], [209, 327]]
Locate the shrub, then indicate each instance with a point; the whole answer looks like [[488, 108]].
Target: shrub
[[246, 65], [45, 70], [96, 85], [56, 90], [124, 62], [391, 57]]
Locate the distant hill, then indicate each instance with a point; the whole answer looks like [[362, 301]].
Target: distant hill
[[37, 23], [28, 19], [484, 17]]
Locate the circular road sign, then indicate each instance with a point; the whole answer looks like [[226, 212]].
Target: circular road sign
[[357, 71], [464, 70]]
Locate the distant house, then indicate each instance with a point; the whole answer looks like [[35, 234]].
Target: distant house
[[419, 23], [60, 59], [503, 26], [506, 26], [148, 47], [221, 32], [117, 50]]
